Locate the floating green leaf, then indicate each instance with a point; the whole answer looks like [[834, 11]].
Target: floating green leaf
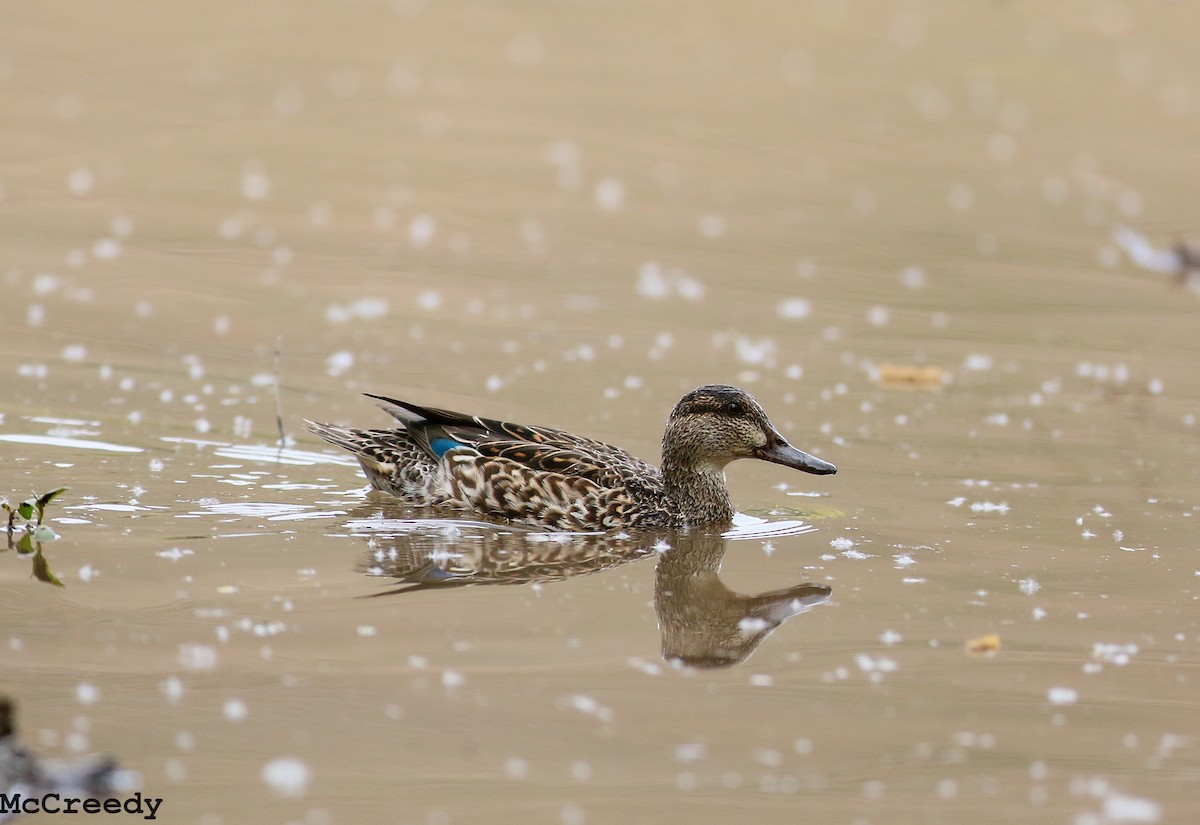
[[45, 499]]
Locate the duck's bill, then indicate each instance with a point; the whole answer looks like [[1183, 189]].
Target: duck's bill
[[787, 455]]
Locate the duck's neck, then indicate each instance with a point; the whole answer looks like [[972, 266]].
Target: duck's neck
[[699, 490]]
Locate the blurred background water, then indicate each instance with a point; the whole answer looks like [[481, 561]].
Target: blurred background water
[[893, 223]]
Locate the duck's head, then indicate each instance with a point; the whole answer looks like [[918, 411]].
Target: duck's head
[[716, 424]]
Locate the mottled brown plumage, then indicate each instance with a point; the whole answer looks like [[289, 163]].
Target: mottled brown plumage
[[552, 478]]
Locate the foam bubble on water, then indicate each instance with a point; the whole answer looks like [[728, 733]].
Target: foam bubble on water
[[172, 688], [610, 194], [287, 776], [421, 231], [913, 277], [255, 184], [1116, 653], [288, 101], [977, 362], [712, 226], [1119, 807], [174, 553], [871, 664], [339, 362], [947, 789], [87, 693], [961, 197], [751, 625], [655, 281], [106, 249], [1062, 696], [74, 353], [234, 710], [81, 181], [795, 309], [990, 507], [193, 656]]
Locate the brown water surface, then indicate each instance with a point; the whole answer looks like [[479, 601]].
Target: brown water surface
[[570, 214]]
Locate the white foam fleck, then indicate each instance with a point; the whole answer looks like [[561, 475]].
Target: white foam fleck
[[989, 507], [1062, 696], [712, 226], [194, 656], [977, 362], [255, 183], [174, 553], [610, 194], [1119, 807], [795, 309], [421, 231], [339, 362], [1116, 653], [81, 181], [106, 249], [287, 776], [752, 624]]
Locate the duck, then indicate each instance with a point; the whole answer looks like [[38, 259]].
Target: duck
[[554, 479]]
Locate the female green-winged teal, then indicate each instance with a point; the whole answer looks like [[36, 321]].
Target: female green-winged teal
[[552, 478]]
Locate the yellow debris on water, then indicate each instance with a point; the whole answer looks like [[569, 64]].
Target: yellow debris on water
[[987, 645], [900, 376]]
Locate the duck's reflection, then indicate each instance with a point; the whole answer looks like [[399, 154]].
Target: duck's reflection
[[704, 624]]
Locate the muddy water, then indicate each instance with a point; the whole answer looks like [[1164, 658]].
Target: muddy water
[[571, 215]]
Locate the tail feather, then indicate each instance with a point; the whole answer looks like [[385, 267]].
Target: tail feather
[[344, 437], [402, 411]]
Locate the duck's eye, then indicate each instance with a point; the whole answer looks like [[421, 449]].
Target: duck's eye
[[734, 408]]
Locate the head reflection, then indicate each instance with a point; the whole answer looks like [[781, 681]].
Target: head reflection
[[704, 624]]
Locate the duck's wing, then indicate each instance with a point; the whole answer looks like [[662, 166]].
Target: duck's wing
[[541, 449]]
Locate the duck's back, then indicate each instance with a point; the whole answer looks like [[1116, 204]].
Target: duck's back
[[556, 479], [531, 474]]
